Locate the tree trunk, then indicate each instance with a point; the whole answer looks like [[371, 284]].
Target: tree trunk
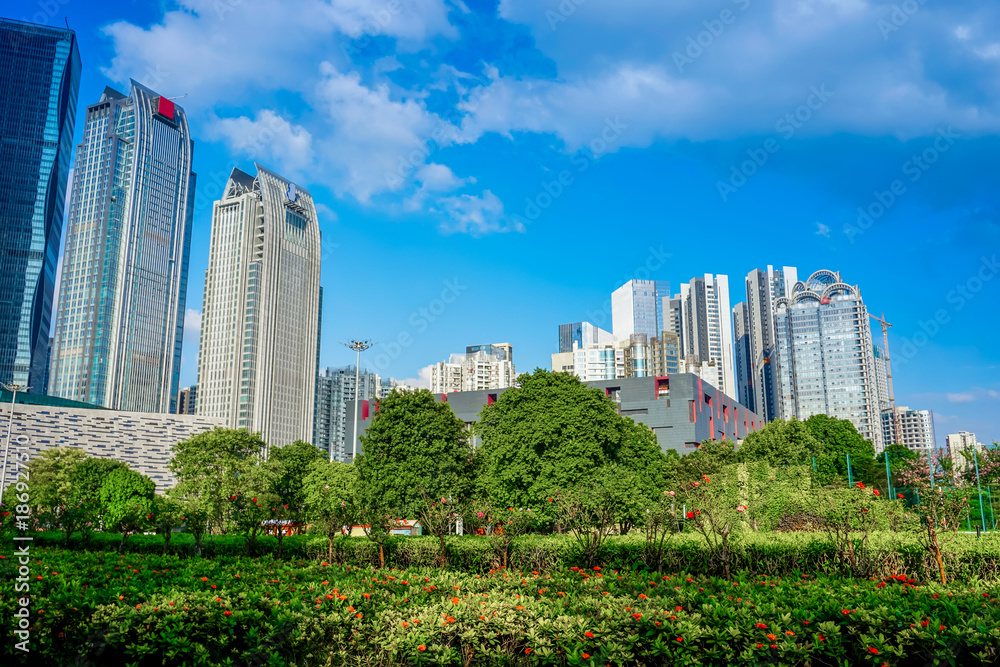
[[381, 556]]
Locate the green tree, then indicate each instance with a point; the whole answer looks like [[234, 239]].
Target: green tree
[[552, 433], [296, 461], [51, 484], [167, 514], [330, 490], [710, 457], [88, 475], [897, 455], [780, 443], [839, 438], [413, 443], [254, 502], [127, 500], [208, 467]]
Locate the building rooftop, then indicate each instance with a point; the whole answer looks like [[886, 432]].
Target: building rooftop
[[41, 399]]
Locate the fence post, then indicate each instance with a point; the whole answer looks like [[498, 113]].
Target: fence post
[[850, 475], [982, 513], [814, 471], [888, 479]]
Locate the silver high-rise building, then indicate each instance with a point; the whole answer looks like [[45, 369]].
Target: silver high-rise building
[[637, 307], [334, 389], [755, 370], [707, 326], [825, 361], [120, 320], [260, 326]]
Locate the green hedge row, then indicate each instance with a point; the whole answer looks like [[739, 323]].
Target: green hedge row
[[757, 553]]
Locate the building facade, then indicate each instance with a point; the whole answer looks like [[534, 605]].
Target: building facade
[[260, 322], [637, 308], [665, 354], [335, 388], [964, 449], [38, 97], [187, 401], [142, 440], [582, 334], [916, 427], [742, 363], [707, 326], [120, 319], [825, 363], [481, 367], [763, 288], [682, 410]]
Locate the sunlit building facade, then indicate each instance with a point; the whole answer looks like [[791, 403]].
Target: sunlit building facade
[[38, 97], [120, 319]]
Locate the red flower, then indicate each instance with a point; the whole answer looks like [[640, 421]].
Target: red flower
[[638, 616], [228, 613], [421, 648], [680, 639], [585, 656], [873, 650], [588, 635], [690, 515], [860, 485], [845, 611], [762, 626], [527, 651], [941, 628], [822, 638], [899, 495], [875, 491], [924, 623]]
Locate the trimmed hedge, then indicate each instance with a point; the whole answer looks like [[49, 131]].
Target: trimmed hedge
[[770, 554]]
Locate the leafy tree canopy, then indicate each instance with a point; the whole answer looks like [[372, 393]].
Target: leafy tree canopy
[[414, 443], [88, 475], [50, 475], [127, 497], [552, 432], [781, 442], [295, 461]]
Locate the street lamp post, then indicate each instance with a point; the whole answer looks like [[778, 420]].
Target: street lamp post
[[358, 346], [13, 389]]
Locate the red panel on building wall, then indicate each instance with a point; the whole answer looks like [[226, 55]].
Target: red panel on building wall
[[165, 107], [490, 399], [444, 398], [364, 409]]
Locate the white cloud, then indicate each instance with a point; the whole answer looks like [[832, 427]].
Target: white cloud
[[822, 230], [962, 397], [192, 324], [268, 139], [476, 215], [993, 393], [423, 381]]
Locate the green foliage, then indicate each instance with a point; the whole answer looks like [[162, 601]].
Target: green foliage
[[330, 490], [51, 484], [413, 442], [551, 433], [102, 608], [87, 475], [781, 442], [898, 455], [167, 514], [208, 467], [296, 461], [127, 500], [709, 458]]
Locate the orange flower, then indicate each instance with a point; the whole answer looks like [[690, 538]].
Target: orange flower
[[204, 578], [449, 619], [405, 624], [772, 637], [454, 600], [789, 633], [585, 656], [366, 595], [421, 648]]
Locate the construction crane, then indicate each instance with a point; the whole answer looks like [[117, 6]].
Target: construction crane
[[888, 376]]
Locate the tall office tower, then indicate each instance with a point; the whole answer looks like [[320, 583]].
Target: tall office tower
[[964, 450], [741, 358], [824, 360], [187, 401], [335, 388], [673, 314], [481, 367], [882, 382], [764, 287], [665, 354], [582, 334], [38, 96], [257, 363], [916, 426], [708, 327], [120, 319], [637, 307]]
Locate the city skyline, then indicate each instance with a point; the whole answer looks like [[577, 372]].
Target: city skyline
[[844, 158]]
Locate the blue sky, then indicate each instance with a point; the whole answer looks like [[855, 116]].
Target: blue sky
[[690, 136]]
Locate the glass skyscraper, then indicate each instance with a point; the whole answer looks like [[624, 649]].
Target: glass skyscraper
[[825, 363], [120, 319], [38, 96]]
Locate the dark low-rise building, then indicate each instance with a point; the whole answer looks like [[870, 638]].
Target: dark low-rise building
[[681, 409]]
